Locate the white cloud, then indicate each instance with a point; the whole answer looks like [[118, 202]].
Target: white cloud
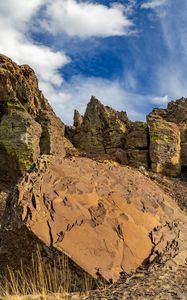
[[160, 101], [18, 13], [15, 20], [85, 19], [153, 4], [43, 60]]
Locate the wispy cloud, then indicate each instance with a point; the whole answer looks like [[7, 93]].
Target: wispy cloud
[[153, 4], [76, 94], [161, 101], [172, 73]]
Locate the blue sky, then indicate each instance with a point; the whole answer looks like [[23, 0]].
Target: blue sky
[[131, 54]]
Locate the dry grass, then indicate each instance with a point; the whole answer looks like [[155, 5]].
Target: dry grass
[[40, 282]]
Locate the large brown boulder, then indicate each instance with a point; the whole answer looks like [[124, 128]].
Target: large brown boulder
[[106, 218], [28, 125]]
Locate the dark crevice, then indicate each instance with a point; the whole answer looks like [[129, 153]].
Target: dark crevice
[[184, 173], [45, 140], [50, 234], [148, 156], [10, 170], [33, 201]]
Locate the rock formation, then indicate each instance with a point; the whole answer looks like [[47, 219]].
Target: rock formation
[[176, 114], [159, 145], [101, 130], [105, 217], [28, 125], [165, 146], [137, 145]]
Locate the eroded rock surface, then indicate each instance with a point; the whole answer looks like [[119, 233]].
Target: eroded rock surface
[[174, 119], [28, 125], [101, 216], [101, 129], [165, 148], [159, 284], [159, 145], [137, 145]]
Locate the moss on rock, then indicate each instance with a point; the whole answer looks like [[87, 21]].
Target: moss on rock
[[164, 147]]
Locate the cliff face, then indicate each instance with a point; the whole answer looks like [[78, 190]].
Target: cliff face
[[159, 145], [28, 125]]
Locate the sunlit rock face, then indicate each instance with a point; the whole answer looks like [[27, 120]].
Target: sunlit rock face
[[175, 113], [101, 129], [165, 147], [160, 144], [28, 125], [106, 218]]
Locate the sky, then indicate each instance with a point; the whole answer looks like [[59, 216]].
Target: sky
[[130, 54]]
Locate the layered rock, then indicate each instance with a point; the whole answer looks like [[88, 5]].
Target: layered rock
[[176, 114], [165, 148], [137, 145], [107, 224], [103, 131], [159, 145], [28, 125], [100, 130]]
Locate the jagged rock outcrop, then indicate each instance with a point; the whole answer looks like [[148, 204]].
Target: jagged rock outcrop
[[104, 132], [28, 125], [77, 119], [107, 224], [100, 130], [159, 145]]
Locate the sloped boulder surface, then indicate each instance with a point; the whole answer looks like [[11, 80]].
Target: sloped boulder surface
[[108, 219]]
